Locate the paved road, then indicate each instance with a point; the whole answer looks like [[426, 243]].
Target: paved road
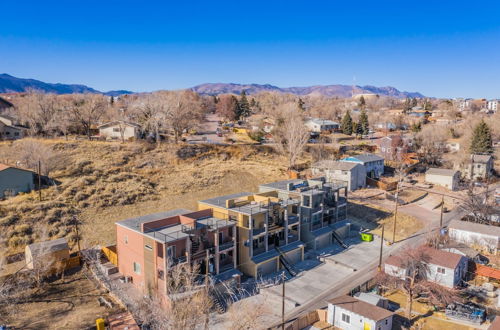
[[207, 131]]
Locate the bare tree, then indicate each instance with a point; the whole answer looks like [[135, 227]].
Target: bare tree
[[29, 153], [431, 144], [226, 106], [87, 109], [186, 111], [152, 112], [290, 134], [38, 111]]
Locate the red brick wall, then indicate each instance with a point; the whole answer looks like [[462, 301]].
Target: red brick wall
[[130, 252]]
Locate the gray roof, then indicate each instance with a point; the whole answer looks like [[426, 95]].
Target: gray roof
[[214, 223], [135, 223], [475, 227], [282, 185], [441, 171], [370, 298], [112, 123], [481, 158], [220, 201], [45, 247], [323, 121], [366, 158], [335, 165]]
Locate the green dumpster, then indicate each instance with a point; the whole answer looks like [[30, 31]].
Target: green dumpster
[[367, 237]]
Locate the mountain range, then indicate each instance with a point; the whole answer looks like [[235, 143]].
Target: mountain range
[[9, 84]]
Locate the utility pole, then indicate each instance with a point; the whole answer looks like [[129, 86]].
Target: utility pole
[[395, 215], [39, 180], [207, 269], [381, 247], [441, 215], [283, 302]]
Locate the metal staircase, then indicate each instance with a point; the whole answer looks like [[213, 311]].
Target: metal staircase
[[339, 240], [286, 263]]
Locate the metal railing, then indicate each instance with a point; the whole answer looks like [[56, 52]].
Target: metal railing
[[226, 245]]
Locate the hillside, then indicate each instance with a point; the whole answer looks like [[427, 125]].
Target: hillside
[[103, 182], [325, 90], [11, 84]]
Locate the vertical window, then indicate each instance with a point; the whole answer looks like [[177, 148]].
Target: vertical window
[[125, 239], [221, 237], [346, 318], [137, 268], [159, 249], [171, 252]]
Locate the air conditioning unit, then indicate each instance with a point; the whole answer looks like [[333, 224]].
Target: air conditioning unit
[[126, 279]]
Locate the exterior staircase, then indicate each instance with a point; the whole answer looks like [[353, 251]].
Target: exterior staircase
[[286, 263]]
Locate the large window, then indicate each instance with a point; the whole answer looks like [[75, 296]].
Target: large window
[[137, 268], [346, 318], [441, 270], [171, 252]]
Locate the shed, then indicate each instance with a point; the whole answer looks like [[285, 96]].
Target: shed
[[443, 177], [14, 180], [47, 254]]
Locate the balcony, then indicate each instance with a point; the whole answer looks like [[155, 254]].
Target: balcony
[[342, 202], [258, 231], [259, 250], [176, 261], [293, 219], [292, 238], [226, 246], [316, 225], [226, 265]]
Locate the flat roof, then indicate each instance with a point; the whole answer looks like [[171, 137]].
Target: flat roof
[[135, 223], [441, 171], [220, 201], [336, 165], [362, 308]]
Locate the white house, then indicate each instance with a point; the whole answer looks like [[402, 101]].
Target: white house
[[14, 180], [443, 177], [493, 105], [475, 234], [374, 165], [445, 268], [352, 174], [9, 130], [350, 313], [120, 130], [318, 125]]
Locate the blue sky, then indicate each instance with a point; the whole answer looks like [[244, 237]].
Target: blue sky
[[439, 48]]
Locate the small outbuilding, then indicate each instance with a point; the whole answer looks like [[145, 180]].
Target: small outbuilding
[[14, 180], [120, 130], [443, 177], [485, 237], [48, 254], [351, 313], [318, 125]]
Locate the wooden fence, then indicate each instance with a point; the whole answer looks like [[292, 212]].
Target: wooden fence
[[110, 253]]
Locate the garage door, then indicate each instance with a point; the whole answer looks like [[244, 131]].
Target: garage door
[[323, 241], [267, 268], [294, 256]]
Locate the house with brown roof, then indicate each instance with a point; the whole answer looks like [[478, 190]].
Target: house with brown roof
[[351, 313], [14, 180], [444, 268]]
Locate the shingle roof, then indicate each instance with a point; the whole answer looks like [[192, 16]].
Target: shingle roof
[[362, 308], [474, 227], [481, 158], [436, 257], [335, 165], [441, 171]]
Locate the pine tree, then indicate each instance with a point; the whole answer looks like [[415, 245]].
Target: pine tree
[[481, 139], [346, 125], [363, 123], [243, 106], [301, 105]]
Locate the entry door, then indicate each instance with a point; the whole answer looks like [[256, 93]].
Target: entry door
[[367, 326]]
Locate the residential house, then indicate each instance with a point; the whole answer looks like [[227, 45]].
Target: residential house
[[479, 167], [394, 147], [4, 104], [148, 246], [444, 268], [317, 125], [120, 130], [463, 104], [374, 165], [478, 235], [443, 177], [268, 230], [353, 175], [9, 128], [321, 205], [452, 145], [14, 180], [385, 126], [351, 313], [493, 105]]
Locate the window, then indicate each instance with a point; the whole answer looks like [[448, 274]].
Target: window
[[346, 318], [125, 239], [221, 237], [137, 268], [386, 321], [148, 247], [171, 252], [159, 250], [116, 129], [441, 270], [306, 201]]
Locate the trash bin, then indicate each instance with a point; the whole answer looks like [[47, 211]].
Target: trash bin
[[99, 324], [366, 237]]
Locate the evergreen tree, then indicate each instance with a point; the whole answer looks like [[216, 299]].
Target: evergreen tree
[[362, 102], [301, 105], [243, 108], [481, 139], [363, 123], [414, 102], [346, 125]]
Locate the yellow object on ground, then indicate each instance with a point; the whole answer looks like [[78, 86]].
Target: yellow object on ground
[[99, 324]]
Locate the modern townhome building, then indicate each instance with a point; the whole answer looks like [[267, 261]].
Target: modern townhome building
[[268, 230], [479, 167], [445, 268], [317, 125], [480, 236], [148, 246], [352, 175], [374, 165], [321, 205], [351, 313]]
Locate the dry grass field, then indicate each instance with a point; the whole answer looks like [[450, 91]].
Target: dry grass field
[[103, 182]]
